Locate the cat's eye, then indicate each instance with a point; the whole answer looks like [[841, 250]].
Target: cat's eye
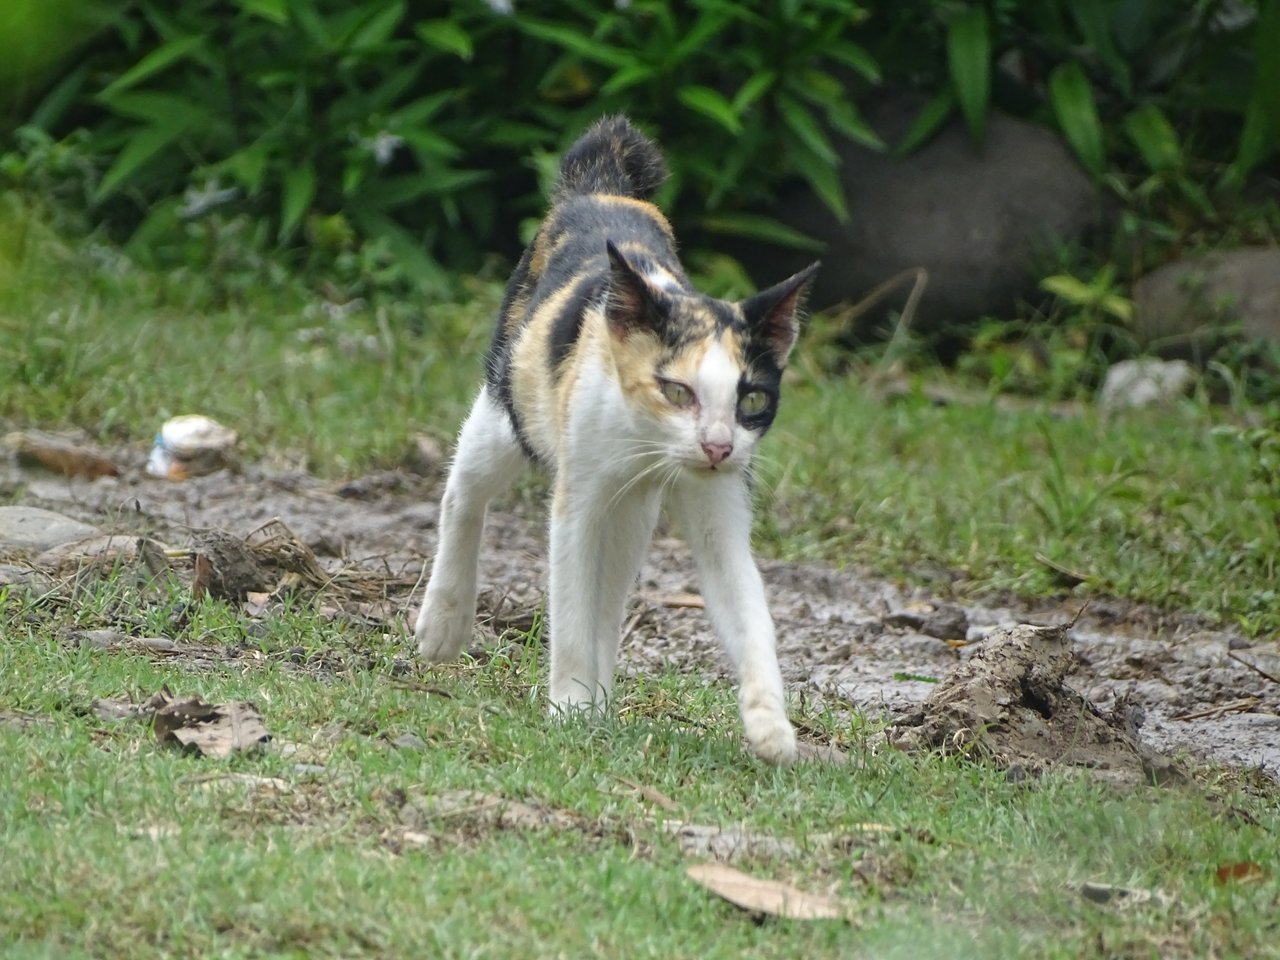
[[753, 403], [677, 394]]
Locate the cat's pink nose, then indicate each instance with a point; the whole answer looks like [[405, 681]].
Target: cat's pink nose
[[717, 452]]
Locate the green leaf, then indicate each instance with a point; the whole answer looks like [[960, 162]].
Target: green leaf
[[754, 226], [856, 58], [404, 247], [155, 61], [273, 10], [379, 27], [585, 46], [757, 86], [806, 129], [710, 103], [141, 147], [158, 108], [706, 28], [299, 192], [1256, 143], [822, 176], [927, 122], [1071, 96], [249, 167], [57, 101], [1071, 289], [426, 144], [1155, 138], [446, 35], [844, 116], [304, 15], [420, 111], [1095, 18], [969, 59], [628, 77]]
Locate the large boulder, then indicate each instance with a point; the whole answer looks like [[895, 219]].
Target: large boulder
[[980, 218], [1190, 302]]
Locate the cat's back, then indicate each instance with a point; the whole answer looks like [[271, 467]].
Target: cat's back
[[555, 298]]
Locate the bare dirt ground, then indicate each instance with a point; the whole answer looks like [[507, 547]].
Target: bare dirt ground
[[1176, 686]]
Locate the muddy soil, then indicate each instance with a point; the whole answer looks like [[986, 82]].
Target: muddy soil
[[845, 638]]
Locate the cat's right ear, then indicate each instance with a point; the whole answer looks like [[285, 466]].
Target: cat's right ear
[[632, 304]]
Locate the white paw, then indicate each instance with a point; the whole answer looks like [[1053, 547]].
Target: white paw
[[771, 737], [441, 637]]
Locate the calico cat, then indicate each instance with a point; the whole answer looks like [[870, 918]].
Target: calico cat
[[609, 369]]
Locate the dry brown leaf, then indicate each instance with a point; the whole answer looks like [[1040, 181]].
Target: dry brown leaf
[[1244, 872], [61, 456], [214, 730], [770, 897], [201, 577]]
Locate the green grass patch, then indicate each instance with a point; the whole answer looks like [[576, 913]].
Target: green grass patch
[[331, 843]]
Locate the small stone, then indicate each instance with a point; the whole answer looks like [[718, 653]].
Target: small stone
[[409, 741], [1132, 384]]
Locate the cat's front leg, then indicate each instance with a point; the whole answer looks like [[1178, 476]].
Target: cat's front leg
[[714, 513], [487, 461], [598, 539]]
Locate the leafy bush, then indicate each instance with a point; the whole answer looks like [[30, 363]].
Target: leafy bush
[[429, 135], [339, 120]]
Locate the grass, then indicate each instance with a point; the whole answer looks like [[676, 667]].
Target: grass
[[115, 846], [1164, 508]]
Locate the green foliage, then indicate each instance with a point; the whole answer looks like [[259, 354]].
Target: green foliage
[[427, 133]]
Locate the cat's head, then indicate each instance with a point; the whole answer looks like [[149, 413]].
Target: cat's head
[[703, 374]]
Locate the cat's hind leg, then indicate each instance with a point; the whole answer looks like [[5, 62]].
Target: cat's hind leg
[[714, 514], [487, 461]]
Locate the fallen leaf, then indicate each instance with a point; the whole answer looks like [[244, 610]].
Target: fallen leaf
[[691, 601], [61, 456], [214, 730], [770, 897], [201, 576], [1243, 872]]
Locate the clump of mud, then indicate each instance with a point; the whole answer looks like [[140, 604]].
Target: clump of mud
[[1009, 704]]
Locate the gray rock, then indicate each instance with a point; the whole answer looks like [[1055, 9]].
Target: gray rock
[[1188, 302], [13, 575], [978, 218], [33, 530], [1146, 382]]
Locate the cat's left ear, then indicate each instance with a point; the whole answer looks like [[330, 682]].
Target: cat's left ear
[[774, 314]]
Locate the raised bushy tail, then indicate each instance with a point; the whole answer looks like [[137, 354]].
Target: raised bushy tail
[[612, 157]]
